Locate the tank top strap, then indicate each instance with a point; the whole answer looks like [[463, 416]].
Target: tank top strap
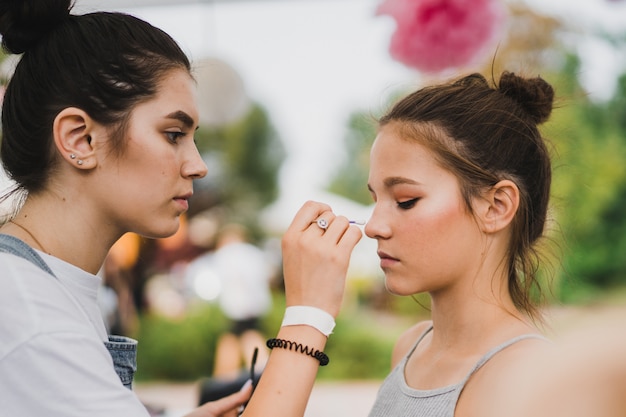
[[419, 339], [499, 348]]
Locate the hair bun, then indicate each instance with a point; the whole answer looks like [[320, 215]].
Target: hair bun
[[471, 80], [535, 95], [24, 22]]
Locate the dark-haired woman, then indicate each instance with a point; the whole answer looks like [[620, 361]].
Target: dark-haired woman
[[460, 176], [98, 122]]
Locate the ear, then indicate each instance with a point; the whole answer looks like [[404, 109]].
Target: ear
[[72, 130], [501, 204]]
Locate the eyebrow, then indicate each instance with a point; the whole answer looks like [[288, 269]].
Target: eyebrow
[[182, 117], [393, 181]]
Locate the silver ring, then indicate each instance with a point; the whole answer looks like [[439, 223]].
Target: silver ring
[[322, 223]]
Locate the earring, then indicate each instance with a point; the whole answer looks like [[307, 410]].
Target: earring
[[72, 156], [79, 162]]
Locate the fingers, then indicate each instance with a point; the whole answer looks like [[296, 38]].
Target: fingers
[[339, 228], [224, 407], [316, 259], [310, 211]]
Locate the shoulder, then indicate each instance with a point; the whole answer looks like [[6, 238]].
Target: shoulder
[[514, 357], [407, 340], [31, 302], [23, 283], [507, 365]]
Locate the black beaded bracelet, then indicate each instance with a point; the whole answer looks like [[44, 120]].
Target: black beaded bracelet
[[298, 347]]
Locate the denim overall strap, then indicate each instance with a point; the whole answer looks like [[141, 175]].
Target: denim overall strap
[[14, 246], [123, 350]]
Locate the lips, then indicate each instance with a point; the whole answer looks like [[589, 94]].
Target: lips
[[383, 255], [183, 200], [386, 260]]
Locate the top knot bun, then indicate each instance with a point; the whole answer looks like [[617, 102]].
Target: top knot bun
[[24, 22], [535, 95]]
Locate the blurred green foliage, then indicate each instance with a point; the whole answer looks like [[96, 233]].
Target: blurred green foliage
[[243, 159], [350, 179], [184, 349], [181, 349], [590, 187]]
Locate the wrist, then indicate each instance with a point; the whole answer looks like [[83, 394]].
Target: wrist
[[314, 317]]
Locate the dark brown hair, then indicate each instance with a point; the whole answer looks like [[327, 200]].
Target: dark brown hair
[[103, 63], [484, 134]]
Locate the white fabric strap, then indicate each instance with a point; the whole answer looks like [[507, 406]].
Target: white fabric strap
[[309, 316]]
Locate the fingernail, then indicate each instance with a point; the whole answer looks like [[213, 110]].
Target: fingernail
[[246, 385]]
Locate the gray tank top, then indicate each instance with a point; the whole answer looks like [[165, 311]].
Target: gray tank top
[[396, 398]]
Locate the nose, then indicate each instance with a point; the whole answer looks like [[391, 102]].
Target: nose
[[194, 166], [376, 227]]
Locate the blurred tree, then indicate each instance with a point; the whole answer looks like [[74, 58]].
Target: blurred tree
[[591, 187], [530, 43], [350, 179], [243, 158]]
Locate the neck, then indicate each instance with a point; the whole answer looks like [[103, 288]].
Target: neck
[[486, 318], [35, 240], [62, 231]]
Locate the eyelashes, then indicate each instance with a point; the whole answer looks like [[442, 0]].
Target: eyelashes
[[174, 136], [408, 204]]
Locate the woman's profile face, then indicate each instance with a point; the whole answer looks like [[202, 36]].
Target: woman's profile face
[[146, 188], [427, 239]]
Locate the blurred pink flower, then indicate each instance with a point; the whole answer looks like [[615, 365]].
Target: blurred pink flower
[[434, 35]]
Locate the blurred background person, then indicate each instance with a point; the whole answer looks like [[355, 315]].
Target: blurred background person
[[243, 273]]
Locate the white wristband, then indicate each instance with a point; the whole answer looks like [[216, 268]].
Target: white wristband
[[309, 316]]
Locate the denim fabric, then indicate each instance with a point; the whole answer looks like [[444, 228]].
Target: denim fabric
[[15, 246], [123, 350]]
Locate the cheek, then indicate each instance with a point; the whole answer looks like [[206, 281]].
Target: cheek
[[440, 217], [438, 235]]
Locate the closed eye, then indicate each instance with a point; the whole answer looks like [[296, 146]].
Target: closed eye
[[408, 204]]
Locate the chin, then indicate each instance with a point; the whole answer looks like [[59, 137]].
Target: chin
[[162, 232], [391, 289], [400, 290]]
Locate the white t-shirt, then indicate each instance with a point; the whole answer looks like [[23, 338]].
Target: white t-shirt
[[53, 361]]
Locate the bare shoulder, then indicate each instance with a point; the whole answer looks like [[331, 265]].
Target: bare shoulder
[[407, 340], [583, 374], [513, 359], [503, 369]]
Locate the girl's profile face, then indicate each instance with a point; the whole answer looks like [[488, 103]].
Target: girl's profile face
[[147, 187], [427, 239]]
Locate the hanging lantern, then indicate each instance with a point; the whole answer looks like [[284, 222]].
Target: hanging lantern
[[435, 35]]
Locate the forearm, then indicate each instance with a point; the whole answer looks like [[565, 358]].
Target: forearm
[[288, 378], [315, 262]]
